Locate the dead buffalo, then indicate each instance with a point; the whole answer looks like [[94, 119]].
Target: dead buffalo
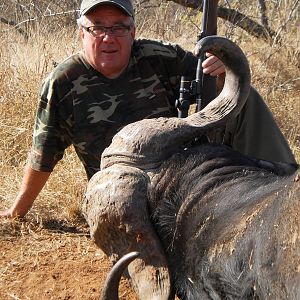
[[229, 226], [207, 222]]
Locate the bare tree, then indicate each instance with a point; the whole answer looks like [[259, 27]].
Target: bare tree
[[237, 18], [21, 15]]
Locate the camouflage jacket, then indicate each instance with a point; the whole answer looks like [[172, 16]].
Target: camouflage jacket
[[80, 106]]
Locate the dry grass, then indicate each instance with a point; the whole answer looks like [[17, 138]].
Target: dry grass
[[49, 255]]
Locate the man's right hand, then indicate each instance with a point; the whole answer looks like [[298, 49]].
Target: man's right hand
[[32, 183], [10, 213], [18, 210], [6, 213]]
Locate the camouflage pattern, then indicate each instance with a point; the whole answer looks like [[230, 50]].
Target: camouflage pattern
[[80, 106]]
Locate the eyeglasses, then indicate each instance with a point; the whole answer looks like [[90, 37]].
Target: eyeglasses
[[100, 31]]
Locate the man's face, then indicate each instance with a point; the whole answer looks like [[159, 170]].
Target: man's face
[[108, 54]]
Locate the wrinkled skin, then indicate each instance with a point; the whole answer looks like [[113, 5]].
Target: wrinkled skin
[[116, 203], [229, 225], [117, 198]]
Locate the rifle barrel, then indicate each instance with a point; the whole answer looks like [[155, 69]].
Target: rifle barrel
[[206, 83]]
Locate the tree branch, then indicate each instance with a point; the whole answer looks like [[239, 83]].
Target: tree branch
[[263, 13], [15, 25], [20, 30], [234, 17]]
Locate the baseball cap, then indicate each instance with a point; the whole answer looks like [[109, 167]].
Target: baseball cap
[[125, 5]]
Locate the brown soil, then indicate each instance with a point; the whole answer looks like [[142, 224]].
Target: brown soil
[[51, 263]]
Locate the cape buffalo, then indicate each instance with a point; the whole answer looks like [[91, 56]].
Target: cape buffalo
[[207, 222]]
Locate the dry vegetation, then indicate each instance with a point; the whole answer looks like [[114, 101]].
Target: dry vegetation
[[48, 255]]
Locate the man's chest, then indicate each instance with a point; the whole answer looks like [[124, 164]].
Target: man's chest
[[120, 101], [100, 108]]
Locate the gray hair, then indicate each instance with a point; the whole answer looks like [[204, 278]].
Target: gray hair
[[81, 21]]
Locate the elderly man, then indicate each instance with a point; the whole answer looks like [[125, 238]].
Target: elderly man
[[117, 80]]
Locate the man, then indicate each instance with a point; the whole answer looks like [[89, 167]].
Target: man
[[117, 80]]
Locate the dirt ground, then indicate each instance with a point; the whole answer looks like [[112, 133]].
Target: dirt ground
[[52, 261]]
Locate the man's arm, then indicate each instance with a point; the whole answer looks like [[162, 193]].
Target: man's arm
[[32, 183]]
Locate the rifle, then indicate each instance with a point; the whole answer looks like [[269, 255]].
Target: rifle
[[203, 88]]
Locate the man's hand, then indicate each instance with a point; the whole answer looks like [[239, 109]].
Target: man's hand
[[212, 65], [17, 210], [32, 183], [6, 213]]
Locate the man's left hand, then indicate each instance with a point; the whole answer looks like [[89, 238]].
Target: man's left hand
[[212, 65]]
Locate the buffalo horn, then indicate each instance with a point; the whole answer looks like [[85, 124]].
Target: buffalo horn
[[111, 285]]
